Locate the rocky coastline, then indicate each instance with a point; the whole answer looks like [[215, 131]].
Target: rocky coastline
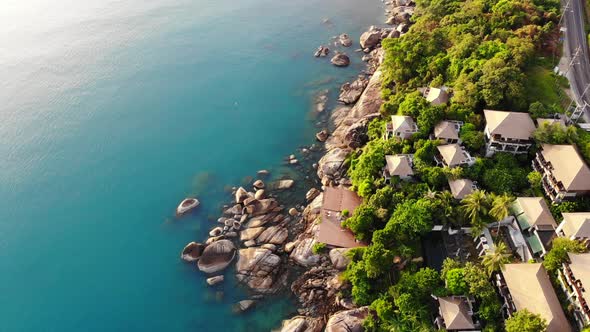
[[272, 244]]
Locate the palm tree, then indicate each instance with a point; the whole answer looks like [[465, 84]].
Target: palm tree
[[501, 206], [495, 260], [475, 207]]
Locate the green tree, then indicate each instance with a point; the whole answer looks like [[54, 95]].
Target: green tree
[[494, 260], [501, 206], [455, 281], [538, 110], [558, 253], [475, 207], [471, 137], [525, 321], [363, 222]]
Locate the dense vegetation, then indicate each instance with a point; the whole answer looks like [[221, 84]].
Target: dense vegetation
[[484, 51]]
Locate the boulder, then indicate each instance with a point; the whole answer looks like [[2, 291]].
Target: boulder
[[269, 246], [241, 195], [263, 172], [340, 60], [250, 233], [258, 184], [259, 194], [330, 165], [311, 194], [303, 254], [258, 268], [262, 206], [348, 320], [258, 221], [302, 324], [293, 212], [345, 40], [217, 231], [274, 235], [215, 280], [351, 92], [290, 246], [217, 256], [322, 136], [339, 258], [370, 39], [250, 243], [192, 252], [320, 100], [236, 209]]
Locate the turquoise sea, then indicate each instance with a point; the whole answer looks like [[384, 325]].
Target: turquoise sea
[[113, 111]]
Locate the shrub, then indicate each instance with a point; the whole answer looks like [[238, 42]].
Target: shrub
[[318, 248]]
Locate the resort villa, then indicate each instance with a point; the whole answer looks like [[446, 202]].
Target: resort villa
[[436, 96], [573, 277], [399, 165], [448, 131], [455, 313], [401, 126], [575, 226], [337, 205], [461, 188], [536, 223], [453, 155], [527, 286], [508, 132], [565, 174]]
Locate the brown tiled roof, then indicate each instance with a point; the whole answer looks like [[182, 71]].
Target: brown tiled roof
[[330, 230], [537, 211], [402, 123], [461, 188], [399, 165], [580, 266], [531, 289], [452, 154], [455, 312], [576, 224], [568, 166], [446, 130], [513, 125], [437, 96]]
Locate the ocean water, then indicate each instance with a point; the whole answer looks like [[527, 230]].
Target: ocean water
[[113, 111]]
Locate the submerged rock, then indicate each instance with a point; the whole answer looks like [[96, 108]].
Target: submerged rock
[[217, 256], [192, 252], [244, 305], [321, 52], [282, 184], [215, 280]]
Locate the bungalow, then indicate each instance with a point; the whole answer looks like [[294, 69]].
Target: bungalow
[[536, 223], [455, 314], [330, 231], [573, 277], [565, 174], [399, 165], [508, 132], [575, 226], [436, 96], [527, 286], [401, 126], [453, 155], [462, 187], [448, 131]]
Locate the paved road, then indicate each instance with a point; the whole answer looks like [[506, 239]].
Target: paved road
[[575, 37]]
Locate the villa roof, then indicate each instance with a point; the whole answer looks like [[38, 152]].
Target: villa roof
[[461, 188], [568, 166], [576, 224], [513, 125], [399, 165], [536, 211], [452, 154], [330, 230], [455, 312], [580, 266], [446, 130], [531, 289], [437, 96], [402, 123]]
